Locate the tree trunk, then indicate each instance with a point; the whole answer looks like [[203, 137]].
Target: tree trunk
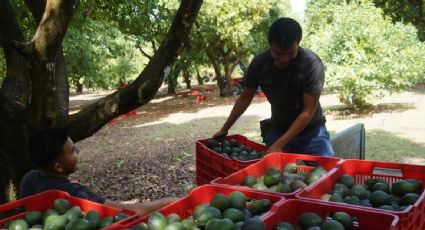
[[171, 89], [172, 78], [79, 88], [186, 77], [36, 92], [44, 94], [171, 82], [199, 77], [228, 75], [16, 85], [221, 83]]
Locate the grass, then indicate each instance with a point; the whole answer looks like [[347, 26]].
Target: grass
[[380, 145], [386, 146]]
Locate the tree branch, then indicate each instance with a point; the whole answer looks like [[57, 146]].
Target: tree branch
[[143, 89], [51, 30], [144, 53]]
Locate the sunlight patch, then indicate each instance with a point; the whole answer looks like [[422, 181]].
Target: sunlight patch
[[217, 111], [159, 100], [415, 160], [89, 96], [252, 135]]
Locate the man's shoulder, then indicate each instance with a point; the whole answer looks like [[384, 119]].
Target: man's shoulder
[[28, 183], [31, 175], [308, 56], [36, 182]]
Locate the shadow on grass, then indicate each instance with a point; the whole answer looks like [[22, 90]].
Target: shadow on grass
[[341, 112], [386, 146]]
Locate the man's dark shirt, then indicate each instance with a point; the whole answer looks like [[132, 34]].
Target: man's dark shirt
[[33, 182], [284, 88]]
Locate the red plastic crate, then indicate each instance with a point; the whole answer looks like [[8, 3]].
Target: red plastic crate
[[411, 218], [210, 164], [290, 210], [279, 160], [200, 195], [44, 201]]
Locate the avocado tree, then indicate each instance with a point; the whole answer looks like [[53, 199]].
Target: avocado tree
[[148, 21], [257, 40], [100, 59], [365, 54], [223, 30], [410, 11], [35, 91], [191, 61]]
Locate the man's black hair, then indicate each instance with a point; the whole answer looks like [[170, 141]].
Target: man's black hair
[[284, 32], [45, 145]]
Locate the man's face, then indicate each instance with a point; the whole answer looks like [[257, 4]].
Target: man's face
[[68, 160], [282, 57]]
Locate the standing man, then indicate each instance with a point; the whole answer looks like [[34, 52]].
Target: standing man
[[292, 78]]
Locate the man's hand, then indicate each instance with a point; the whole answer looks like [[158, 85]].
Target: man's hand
[[151, 206], [274, 148], [170, 200], [220, 134]]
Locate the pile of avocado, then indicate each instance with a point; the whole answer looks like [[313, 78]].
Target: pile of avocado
[[376, 192], [234, 150], [286, 182], [63, 216], [234, 212], [312, 221]]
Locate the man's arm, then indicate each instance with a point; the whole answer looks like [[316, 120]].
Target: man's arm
[[241, 104], [142, 208], [311, 101]]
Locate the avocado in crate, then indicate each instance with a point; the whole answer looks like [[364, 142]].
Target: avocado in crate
[[223, 212], [311, 220], [287, 180], [63, 216], [376, 193], [234, 150]]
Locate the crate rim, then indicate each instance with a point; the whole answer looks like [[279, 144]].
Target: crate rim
[[57, 194], [395, 223], [230, 137], [273, 209]]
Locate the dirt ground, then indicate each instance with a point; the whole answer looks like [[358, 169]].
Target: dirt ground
[[151, 154]]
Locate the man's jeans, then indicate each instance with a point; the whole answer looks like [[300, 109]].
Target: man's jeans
[[313, 142]]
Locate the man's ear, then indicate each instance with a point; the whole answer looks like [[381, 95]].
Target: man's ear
[[57, 167]]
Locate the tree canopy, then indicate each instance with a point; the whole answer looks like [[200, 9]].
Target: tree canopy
[[407, 12]]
